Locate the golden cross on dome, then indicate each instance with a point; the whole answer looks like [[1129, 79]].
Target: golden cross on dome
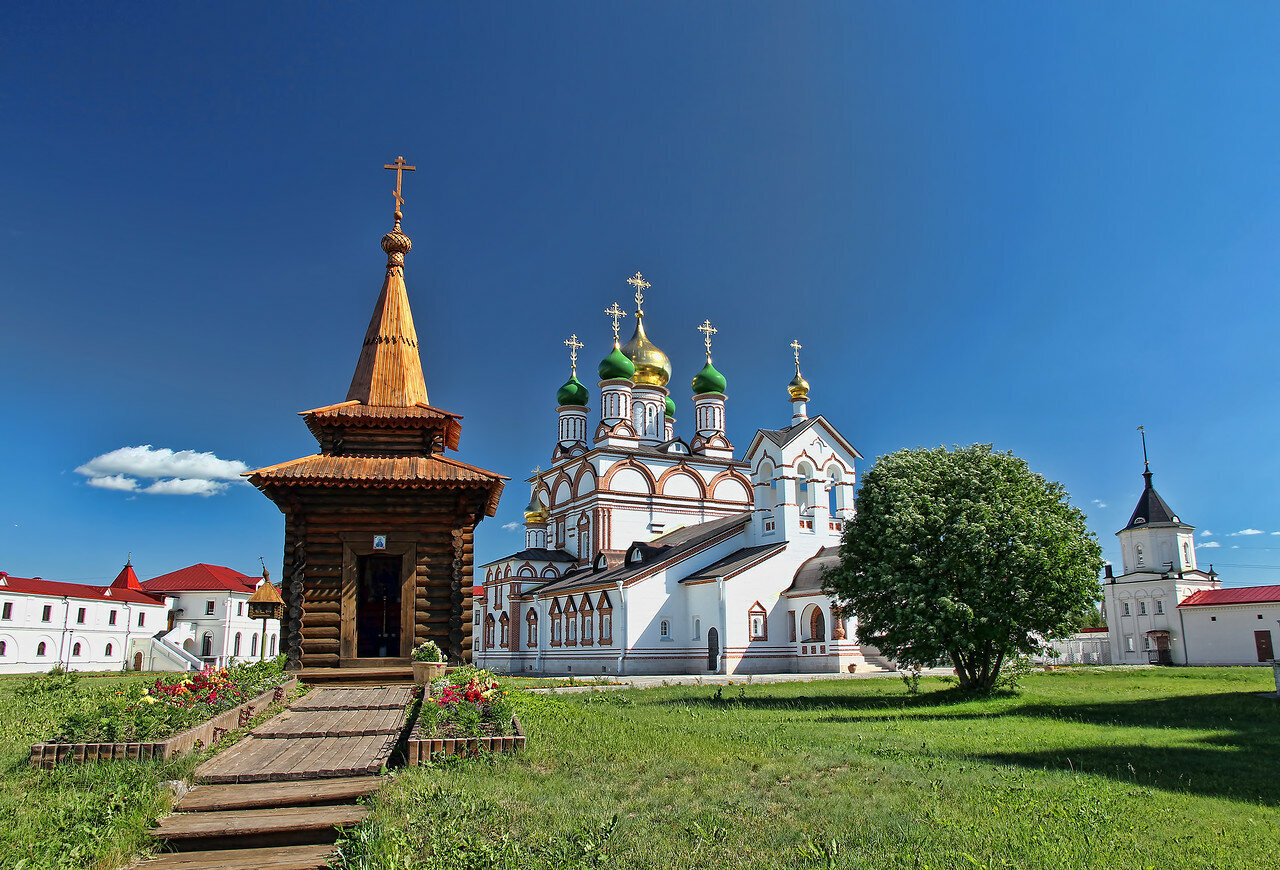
[[573, 344], [637, 281], [400, 167], [616, 312], [707, 331], [795, 347], [537, 471]]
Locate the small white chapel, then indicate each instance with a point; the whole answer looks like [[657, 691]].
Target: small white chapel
[[649, 553]]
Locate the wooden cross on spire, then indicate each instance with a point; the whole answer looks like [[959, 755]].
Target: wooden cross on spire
[[707, 331], [795, 348], [637, 281], [400, 167], [615, 311], [573, 344]]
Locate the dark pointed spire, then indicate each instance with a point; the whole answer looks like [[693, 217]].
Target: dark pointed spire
[[1151, 508]]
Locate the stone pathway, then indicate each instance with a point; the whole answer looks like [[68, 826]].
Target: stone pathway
[[651, 682]]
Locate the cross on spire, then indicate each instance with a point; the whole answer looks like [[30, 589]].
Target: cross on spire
[[1146, 466], [707, 331], [573, 344], [795, 348], [637, 281], [401, 167], [615, 311], [537, 471]]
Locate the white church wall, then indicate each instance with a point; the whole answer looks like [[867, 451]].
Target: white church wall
[[1226, 635]]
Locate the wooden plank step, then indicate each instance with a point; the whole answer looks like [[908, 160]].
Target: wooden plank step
[[301, 758], [190, 828], [310, 857], [349, 698], [257, 795], [333, 723]]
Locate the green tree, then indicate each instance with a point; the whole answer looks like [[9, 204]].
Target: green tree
[[965, 557]]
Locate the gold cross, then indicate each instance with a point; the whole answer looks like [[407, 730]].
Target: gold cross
[[573, 344], [617, 314], [795, 347], [400, 167], [707, 331], [537, 471], [637, 281]]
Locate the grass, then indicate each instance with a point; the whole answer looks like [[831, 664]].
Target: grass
[[1083, 768], [83, 816]]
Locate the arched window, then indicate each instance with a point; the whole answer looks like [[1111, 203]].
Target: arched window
[[206, 645], [804, 490], [1137, 550], [488, 631], [758, 622], [556, 624], [504, 632], [253, 645], [4, 647], [817, 625], [571, 627], [40, 649], [605, 607], [531, 620], [697, 628], [1186, 553], [273, 646], [108, 650], [833, 490], [766, 477], [235, 645], [664, 629], [75, 649]]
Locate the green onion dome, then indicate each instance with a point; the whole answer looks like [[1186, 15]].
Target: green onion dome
[[616, 366], [708, 380], [671, 408], [572, 393]]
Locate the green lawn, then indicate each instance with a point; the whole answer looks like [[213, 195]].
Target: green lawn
[[1083, 768], [78, 816]]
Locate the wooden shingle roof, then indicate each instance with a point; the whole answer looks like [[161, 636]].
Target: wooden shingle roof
[[389, 371]]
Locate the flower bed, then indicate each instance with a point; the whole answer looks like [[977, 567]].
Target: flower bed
[[468, 712], [171, 716]]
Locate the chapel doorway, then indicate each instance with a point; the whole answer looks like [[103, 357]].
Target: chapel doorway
[[378, 614], [1262, 639], [817, 625], [713, 650], [137, 661]]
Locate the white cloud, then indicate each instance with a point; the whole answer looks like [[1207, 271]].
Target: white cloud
[[185, 486], [1275, 533], [171, 472], [1208, 545], [1100, 503], [1247, 532], [511, 527], [1208, 534], [118, 482], [1235, 546]]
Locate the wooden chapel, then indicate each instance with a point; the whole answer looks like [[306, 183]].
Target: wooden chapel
[[379, 524]]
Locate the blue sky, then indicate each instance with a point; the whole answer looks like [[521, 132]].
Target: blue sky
[[1039, 225]]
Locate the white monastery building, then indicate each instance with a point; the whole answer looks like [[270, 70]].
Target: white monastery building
[[1164, 610], [648, 553], [186, 620]]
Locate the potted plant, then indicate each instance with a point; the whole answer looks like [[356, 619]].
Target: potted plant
[[428, 663]]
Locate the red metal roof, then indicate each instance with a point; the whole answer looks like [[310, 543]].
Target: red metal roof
[[60, 589], [1242, 595], [202, 578], [1100, 629]]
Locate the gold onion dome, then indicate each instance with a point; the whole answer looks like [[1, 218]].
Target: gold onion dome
[[535, 511], [652, 365], [799, 387]]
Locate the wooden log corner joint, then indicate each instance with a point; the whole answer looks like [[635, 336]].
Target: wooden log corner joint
[[379, 524]]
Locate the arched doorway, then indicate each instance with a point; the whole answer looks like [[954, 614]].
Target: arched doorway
[[137, 661], [817, 625], [713, 650]]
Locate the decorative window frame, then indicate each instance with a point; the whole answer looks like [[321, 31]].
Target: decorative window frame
[[571, 624], [757, 611], [586, 634], [504, 631], [604, 607], [489, 623], [557, 624], [531, 628], [664, 630]]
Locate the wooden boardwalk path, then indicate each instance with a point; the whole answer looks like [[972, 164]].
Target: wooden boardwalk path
[[276, 800], [330, 732]]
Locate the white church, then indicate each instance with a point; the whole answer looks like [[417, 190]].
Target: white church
[[647, 553], [1163, 609]]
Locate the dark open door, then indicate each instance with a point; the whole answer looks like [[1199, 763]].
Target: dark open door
[[713, 649], [1263, 640], [378, 606]]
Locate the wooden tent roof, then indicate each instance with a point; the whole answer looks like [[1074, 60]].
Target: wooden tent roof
[[389, 371]]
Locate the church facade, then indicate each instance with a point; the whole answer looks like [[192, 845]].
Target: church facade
[[649, 553]]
